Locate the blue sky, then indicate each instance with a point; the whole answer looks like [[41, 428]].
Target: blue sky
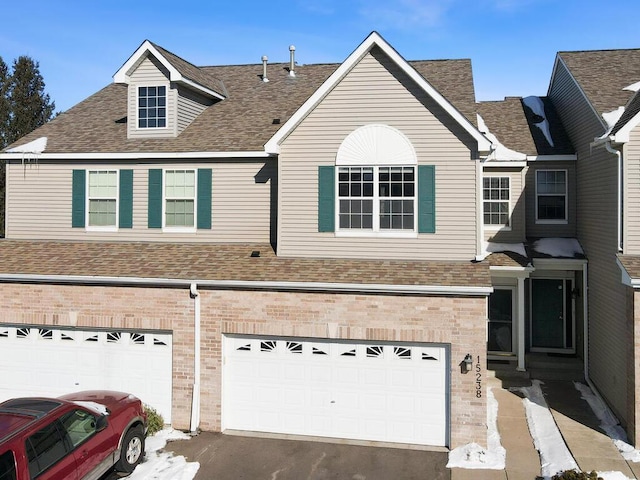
[[511, 43]]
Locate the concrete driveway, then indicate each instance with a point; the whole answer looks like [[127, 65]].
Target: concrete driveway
[[230, 457]]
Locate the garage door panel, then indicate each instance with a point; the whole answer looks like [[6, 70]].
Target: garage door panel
[[53, 361], [365, 391]]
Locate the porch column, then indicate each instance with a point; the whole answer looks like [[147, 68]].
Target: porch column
[[520, 324]]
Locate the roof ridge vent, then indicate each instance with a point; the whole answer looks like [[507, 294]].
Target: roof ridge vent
[[265, 59], [292, 61]]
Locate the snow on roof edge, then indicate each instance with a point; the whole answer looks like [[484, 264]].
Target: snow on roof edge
[[500, 152], [35, 146]]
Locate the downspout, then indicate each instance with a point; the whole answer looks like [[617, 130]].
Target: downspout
[[195, 399], [585, 326], [618, 154]]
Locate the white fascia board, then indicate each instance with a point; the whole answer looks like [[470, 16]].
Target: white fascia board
[[626, 278], [201, 88], [622, 135], [501, 164], [122, 75], [511, 272], [552, 158], [374, 39], [140, 155], [262, 285]]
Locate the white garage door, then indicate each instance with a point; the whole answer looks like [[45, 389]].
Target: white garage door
[[52, 362], [373, 391]]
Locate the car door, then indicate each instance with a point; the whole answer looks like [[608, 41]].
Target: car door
[[49, 454], [92, 440]]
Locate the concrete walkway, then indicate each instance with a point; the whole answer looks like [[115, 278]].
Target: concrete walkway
[[590, 446]]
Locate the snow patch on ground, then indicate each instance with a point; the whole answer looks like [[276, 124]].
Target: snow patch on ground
[[554, 454], [613, 476], [474, 456], [500, 152], [163, 465], [537, 107], [493, 247], [558, 247], [609, 423]]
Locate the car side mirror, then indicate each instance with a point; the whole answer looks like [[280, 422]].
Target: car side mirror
[[102, 423]]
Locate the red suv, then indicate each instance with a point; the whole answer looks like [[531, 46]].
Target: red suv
[[77, 436]]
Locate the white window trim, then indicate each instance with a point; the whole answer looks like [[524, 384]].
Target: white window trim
[[171, 229], [167, 90], [492, 227], [514, 323], [564, 221], [376, 233], [101, 228]]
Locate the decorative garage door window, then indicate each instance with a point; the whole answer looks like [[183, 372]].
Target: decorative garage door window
[[378, 391], [43, 361]]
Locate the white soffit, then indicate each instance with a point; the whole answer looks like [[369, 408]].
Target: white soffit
[[374, 39], [376, 144]]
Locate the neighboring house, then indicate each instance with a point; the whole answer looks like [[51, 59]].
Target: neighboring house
[[328, 250], [595, 94]]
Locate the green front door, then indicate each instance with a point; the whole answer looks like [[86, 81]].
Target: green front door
[[551, 320]]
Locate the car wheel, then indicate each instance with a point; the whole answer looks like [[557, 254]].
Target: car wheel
[[132, 450]]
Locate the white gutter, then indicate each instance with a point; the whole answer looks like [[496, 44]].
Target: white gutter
[[139, 155], [195, 399], [260, 285], [618, 154]]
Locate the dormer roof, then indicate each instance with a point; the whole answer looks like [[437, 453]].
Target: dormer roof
[[180, 71]]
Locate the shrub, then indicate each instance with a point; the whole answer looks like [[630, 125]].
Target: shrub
[[155, 422], [575, 475]]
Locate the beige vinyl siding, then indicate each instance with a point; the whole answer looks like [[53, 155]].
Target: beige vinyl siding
[[39, 202], [375, 92], [632, 194], [597, 231], [537, 228], [190, 105], [516, 233], [150, 72]]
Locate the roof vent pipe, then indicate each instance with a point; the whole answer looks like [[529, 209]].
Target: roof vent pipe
[[292, 61], [264, 68]]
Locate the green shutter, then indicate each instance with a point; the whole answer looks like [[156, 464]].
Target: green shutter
[[204, 198], [126, 199], [78, 198], [154, 218], [326, 199], [426, 199]]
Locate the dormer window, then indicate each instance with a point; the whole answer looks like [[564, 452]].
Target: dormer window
[[152, 107]]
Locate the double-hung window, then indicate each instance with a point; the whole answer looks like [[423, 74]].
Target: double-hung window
[[551, 196], [495, 198], [152, 107], [180, 198], [102, 198], [377, 198]]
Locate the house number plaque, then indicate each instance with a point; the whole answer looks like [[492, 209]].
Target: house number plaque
[[478, 379]]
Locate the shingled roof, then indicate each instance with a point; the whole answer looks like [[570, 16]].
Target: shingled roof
[[603, 74], [245, 120], [513, 124], [223, 262]]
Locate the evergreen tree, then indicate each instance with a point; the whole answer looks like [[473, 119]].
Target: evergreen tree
[[30, 105], [4, 129], [24, 106]]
